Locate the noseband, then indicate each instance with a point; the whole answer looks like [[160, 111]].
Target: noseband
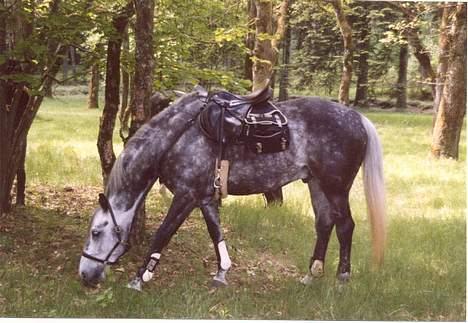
[[105, 205]]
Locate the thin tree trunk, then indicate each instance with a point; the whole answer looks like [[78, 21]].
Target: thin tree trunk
[[423, 57], [111, 93], [419, 51], [93, 95], [73, 60], [250, 40], [346, 32], [65, 67], [449, 122], [362, 84], [285, 59], [142, 87], [125, 76], [401, 86]]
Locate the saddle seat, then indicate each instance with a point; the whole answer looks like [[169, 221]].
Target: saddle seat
[[251, 120]]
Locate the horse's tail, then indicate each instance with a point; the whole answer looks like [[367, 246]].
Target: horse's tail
[[374, 189]]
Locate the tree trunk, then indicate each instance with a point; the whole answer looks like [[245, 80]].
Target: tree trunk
[[263, 50], [285, 59], [73, 60], [423, 57], [444, 46], [65, 67], [143, 79], [250, 40], [266, 43], [449, 122], [142, 87], [18, 109], [362, 85], [346, 32], [93, 95], [401, 86], [112, 91], [127, 90], [420, 52], [21, 177]]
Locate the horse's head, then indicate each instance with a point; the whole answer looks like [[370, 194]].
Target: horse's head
[[106, 243]]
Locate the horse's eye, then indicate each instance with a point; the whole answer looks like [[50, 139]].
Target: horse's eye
[[95, 233]]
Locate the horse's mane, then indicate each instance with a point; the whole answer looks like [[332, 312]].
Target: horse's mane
[[118, 176]]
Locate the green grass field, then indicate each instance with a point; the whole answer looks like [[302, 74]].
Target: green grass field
[[424, 276]]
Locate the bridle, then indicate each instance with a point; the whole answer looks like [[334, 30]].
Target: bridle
[[104, 202], [105, 205]]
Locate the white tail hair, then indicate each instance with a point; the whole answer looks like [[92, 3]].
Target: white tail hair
[[374, 188]]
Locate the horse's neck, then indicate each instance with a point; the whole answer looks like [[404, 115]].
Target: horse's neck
[[137, 168]]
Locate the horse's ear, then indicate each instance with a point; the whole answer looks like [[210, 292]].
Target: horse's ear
[[201, 91], [178, 94], [103, 202]]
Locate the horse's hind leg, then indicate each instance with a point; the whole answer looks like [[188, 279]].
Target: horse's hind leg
[[211, 214], [324, 223], [331, 208], [344, 231]]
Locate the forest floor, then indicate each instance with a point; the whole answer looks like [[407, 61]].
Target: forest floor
[[423, 278]]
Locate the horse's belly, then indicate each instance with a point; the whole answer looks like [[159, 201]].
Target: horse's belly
[[263, 174]]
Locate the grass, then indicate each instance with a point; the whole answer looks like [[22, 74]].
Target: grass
[[424, 276]]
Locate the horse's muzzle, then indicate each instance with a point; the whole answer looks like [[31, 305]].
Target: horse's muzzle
[[91, 273]]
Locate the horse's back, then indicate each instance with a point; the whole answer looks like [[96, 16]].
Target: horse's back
[[336, 138]]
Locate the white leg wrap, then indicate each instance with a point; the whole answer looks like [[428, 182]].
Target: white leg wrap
[[147, 275], [225, 261]]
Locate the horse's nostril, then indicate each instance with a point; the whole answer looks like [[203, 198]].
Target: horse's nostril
[[83, 275]]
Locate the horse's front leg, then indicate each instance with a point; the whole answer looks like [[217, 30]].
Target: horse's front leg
[[179, 210], [210, 212]]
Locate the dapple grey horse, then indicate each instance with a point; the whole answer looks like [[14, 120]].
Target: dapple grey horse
[[328, 144]]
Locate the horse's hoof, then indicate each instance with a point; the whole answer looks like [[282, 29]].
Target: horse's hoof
[[217, 283], [135, 284], [316, 270], [343, 278], [308, 280]]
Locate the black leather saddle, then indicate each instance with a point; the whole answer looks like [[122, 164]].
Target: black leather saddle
[[252, 120]]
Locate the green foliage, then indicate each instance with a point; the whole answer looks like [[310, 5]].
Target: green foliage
[[199, 41], [38, 30], [317, 59]]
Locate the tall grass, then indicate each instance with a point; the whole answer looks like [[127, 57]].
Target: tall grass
[[423, 277], [62, 143]]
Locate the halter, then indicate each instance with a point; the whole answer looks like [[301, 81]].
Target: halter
[[104, 202]]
